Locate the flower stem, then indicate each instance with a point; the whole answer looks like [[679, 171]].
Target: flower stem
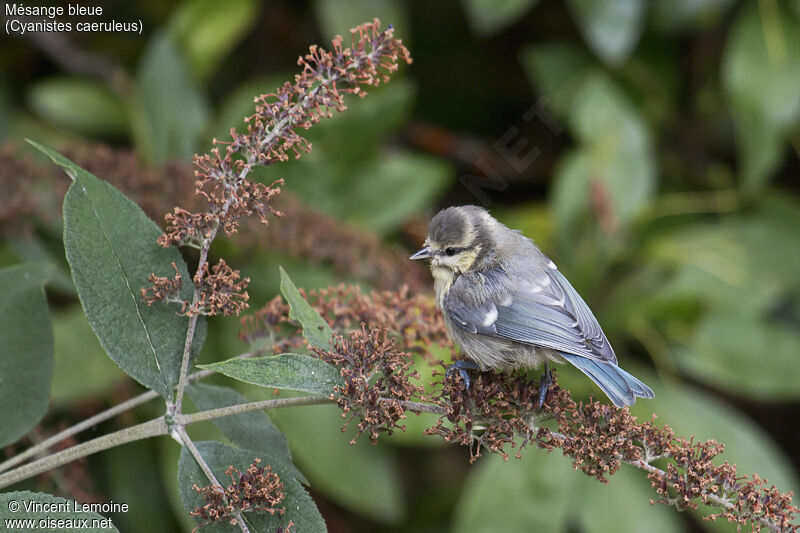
[[187, 442]]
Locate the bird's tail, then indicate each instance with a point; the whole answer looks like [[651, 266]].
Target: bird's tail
[[621, 387]]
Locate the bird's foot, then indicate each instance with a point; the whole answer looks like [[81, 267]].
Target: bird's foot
[[544, 384], [461, 366]]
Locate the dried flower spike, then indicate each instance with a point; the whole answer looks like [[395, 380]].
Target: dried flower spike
[[256, 489], [376, 377], [221, 175]]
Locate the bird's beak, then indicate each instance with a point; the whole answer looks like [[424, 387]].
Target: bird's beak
[[425, 253]]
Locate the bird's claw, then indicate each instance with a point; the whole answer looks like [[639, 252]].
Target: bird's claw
[[461, 366], [544, 384]]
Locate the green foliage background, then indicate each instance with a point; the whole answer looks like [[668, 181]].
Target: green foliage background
[[664, 183]]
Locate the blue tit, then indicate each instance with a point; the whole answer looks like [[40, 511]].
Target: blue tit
[[507, 305]]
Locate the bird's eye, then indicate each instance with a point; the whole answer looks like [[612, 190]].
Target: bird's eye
[[450, 251]]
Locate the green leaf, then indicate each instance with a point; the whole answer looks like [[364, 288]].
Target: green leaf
[[174, 111], [253, 430], [611, 28], [734, 263], [361, 477], [207, 31], [315, 329], [346, 139], [61, 510], [488, 17], [538, 491], [300, 508], [760, 74], [130, 474], [686, 15], [82, 368], [347, 159], [111, 248], [623, 505], [412, 183], [615, 160], [338, 18], [26, 349], [33, 249], [747, 356], [531, 494], [290, 371], [79, 104], [556, 69]]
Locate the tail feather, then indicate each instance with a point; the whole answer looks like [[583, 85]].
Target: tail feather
[[621, 387]]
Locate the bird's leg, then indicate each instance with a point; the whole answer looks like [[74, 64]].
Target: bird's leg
[[462, 366], [544, 384]]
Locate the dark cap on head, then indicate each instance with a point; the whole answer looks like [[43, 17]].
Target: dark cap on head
[[448, 226], [462, 227]]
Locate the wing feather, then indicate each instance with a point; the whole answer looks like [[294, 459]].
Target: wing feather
[[541, 309]]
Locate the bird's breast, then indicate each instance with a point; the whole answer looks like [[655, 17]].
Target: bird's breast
[[442, 281]]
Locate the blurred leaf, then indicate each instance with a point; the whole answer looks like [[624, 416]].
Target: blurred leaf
[[613, 175], [83, 105], [253, 430], [682, 15], [338, 18], [735, 263], [133, 478], [757, 359], [715, 266], [690, 411], [556, 69], [26, 349], [539, 493], [208, 30], [761, 73], [611, 28], [111, 248], [300, 508], [169, 453], [347, 176], [25, 496], [533, 220], [32, 249], [361, 477], [488, 17], [623, 505], [82, 368], [264, 265], [346, 138], [174, 111], [401, 184], [315, 329], [290, 371], [531, 494]]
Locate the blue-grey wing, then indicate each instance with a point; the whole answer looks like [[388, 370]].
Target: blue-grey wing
[[541, 309]]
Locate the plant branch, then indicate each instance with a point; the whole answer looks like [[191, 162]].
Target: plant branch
[[152, 428], [98, 418], [77, 428], [158, 426]]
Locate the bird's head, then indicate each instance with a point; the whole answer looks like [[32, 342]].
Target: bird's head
[[459, 240]]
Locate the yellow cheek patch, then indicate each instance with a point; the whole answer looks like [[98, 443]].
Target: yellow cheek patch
[[467, 258]]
